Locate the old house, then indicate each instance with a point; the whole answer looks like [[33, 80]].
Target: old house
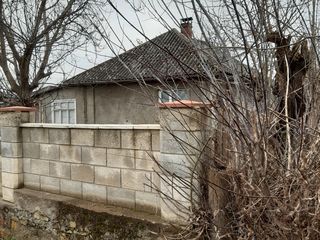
[[126, 88]]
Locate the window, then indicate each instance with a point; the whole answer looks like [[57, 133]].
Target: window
[[64, 111], [173, 95]]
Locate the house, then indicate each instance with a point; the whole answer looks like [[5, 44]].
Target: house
[[126, 88]]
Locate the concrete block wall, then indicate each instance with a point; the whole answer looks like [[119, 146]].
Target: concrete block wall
[[109, 164]]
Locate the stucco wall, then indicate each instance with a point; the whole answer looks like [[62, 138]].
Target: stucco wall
[[106, 104], [112, 104]]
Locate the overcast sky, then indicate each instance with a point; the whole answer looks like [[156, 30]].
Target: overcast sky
[[86, 58]]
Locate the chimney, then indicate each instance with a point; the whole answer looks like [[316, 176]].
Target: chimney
[[186, 26]]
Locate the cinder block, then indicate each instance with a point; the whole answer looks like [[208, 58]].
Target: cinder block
[[136, 180], [31, 150], [11, 134], [26, 136], [155, 140], [182, 190], [39, 135], [172, 213], [11, 118], [147, 160], [49, 184], [121, 197], [59, 136], [82, 137], [83, 173], [95, 193], [60, 170], [94, 156], [182, 119], [8, 194], [148, 202], [11, 149], [120, 158], [107, 138], [40, 167], [27, 165], [31, 181], [71, 188], [178, 164], [180, 142], [136, 139], [70, 154], [155, 177], [49, 151], [107, 176], [12, 165], [12, 180]]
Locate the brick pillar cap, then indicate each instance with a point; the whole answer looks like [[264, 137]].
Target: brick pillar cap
[[184, 104], [17, 109]]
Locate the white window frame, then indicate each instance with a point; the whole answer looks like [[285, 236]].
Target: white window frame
[[59, 110], [170, 91]]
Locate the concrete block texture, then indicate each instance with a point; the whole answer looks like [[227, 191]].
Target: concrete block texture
[[83, 173], [31, 150], [171, 212], [49, 151], [107, 176], [147, 160], [180, 142], [11, 134], [12, 180], [8, 194], [31, 181], [12, 165], [82, 137], [59, 136], [136, 139], [26, 136], [121, 197], [40, 167], [95, 193], [178, 164], [27, 165], [70, 154], [12, 118], [155, 140], [136, 180], [39, 135], [182, 119], [60, 170], [94, 156], [71, 188], [120, 158], [148, 202], [107, 138], [49, 184], [11, 149]]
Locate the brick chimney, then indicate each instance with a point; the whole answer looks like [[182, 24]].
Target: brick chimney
[[186, 26]]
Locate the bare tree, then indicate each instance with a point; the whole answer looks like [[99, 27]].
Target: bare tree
[[261, 159], [35, 37]]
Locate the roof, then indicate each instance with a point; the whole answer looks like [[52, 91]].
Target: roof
[[167, 56]]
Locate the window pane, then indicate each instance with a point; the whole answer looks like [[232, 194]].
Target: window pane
[[72, 117], [64, 116], [56, 117], [56, 105], [71, 105], [182, 94], [164, 96], [64, 105]]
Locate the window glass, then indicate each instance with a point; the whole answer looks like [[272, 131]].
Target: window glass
[[64, 111], [173, 95]]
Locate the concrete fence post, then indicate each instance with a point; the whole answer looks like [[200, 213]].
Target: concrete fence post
[[11, 148], [182, 140]]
